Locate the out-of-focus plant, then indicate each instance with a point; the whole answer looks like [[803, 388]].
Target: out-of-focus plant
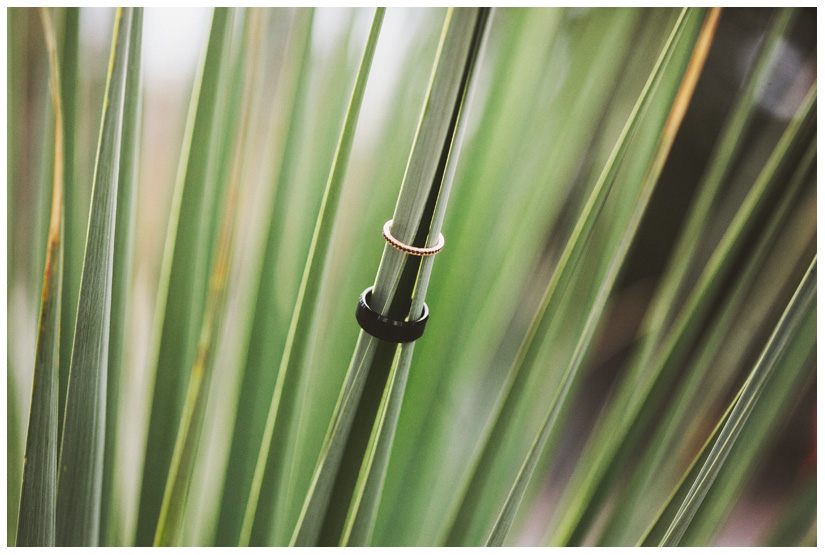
[[573, 386]]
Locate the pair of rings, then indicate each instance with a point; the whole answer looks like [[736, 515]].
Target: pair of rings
[[380, 326]]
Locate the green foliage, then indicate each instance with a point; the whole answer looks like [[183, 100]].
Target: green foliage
[[183, 274], [80, 473], [622, 323], [36, 521]]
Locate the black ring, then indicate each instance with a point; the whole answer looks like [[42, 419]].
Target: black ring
[[384, 328]]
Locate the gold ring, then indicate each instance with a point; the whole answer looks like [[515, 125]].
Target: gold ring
[[409, 249]]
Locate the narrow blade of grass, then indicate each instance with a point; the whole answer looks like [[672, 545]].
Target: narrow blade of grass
[[14, 454], [355, 249], [358, 528], [642, 386], [81, 454], [121, 271], [549, 117], [74, 222], [796, 362], [697, 389], [751, 391], [730, 143], [659, 526], [305, 306], [325, 509], [258, 381], [182, 286], [36, 520], [14, 440], [461, 516], [792, 377], [308, 428], [779, 394], [170, 522], [671, 126]]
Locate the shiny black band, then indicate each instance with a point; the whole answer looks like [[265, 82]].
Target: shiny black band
[[384, 328]]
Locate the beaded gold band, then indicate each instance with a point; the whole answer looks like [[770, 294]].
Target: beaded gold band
[[409, 249]]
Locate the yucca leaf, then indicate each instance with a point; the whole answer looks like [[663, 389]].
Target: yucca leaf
[[729, 144], [300, 327], [701, 381], [30, 157], [462, 514], [644, 309], [199, 513], [355, 249], [783, 334], [258, 381], [325, 510], [509, 206], [670, 127], [675, 346], [121, 272], [308, 427], [36, 520], [659, 526], [182, 286], [794, 365], [358, 528], [14, 468], [565, 329], [81, 454], [14, 441], [75, 217], [642, 386], [792, 377], [316, 118], [619, 529], [178, 482], [791, 369]]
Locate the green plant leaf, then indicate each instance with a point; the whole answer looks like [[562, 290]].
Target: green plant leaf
[[659, 526], [652, 367], [417, 219], [701, 380], [121, 272], [178, 482], [182, 284], [36, 520], [751, 392], [300, 327], [360, 523], [669, 129], [462, 514], [258, 382], [29, 195], [619, 530], [591, 317], [779, 395], [791, 378], [729, 145], [75, 216], [14, 470], [509, 207], [302, 174], [81, 453]]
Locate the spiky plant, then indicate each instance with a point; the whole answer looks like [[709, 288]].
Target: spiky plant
[[622, 325]]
